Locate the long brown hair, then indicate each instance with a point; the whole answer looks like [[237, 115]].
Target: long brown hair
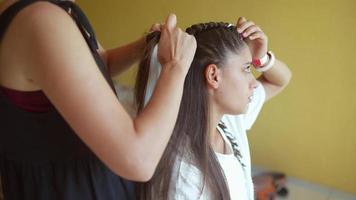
[[190, 138]]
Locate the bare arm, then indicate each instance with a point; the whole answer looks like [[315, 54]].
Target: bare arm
[[121, 58], [60, 62], [275, 79]]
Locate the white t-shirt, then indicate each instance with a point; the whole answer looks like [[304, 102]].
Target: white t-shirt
[[189, 182]]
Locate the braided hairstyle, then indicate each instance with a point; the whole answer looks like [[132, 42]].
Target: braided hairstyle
[[203, 27], [190, 140]]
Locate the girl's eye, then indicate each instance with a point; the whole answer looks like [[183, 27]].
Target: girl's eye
[[247, 69]]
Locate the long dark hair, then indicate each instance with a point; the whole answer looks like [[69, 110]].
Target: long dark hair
[[190, 139]]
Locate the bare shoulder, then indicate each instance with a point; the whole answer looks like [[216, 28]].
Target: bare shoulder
[[47, 31], [43, 14], [43, 8], [23, 35]]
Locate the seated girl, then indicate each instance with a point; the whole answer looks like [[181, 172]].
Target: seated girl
[[208, 154]]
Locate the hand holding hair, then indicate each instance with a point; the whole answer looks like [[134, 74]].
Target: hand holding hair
[[176, 47]]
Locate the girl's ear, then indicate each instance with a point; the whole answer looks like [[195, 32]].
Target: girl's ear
[[213, 76]]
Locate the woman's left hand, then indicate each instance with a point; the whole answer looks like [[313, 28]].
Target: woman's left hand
[[255, 38]]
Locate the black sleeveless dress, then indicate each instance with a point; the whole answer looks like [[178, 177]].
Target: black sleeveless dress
[[41, 158]]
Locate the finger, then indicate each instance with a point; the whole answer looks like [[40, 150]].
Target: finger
[[240, 21], [155, 27], [244, 26], [171, 21], [250, 30], [257, 35]]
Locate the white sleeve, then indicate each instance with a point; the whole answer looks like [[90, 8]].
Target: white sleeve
[[254, 107], [187, 185]]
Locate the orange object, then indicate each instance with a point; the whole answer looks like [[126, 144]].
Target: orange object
[[264, 187], [269, 185]]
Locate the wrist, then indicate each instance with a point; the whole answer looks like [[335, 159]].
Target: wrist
[[261, 61], [269, 60], [141, 45], [178, 69]]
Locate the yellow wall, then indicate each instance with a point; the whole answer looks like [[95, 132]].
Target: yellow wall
[[309, 131]]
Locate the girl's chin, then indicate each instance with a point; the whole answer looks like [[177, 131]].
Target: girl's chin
[[239, 111]]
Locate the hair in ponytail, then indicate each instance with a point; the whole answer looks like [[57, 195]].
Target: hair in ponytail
[[190, 140], [144, 68]]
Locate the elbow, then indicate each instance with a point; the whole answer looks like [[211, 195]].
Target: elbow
[[285, 78], [138, 168], [284, 74], [288, 77], [144, 170]]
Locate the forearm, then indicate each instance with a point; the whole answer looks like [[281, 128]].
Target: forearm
[[153, 127], [155, 124], [121, 58], [279, 75]]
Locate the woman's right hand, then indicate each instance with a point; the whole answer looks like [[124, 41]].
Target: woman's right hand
[[176, 47]]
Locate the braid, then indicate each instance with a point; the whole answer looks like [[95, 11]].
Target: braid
[[196, 29]]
